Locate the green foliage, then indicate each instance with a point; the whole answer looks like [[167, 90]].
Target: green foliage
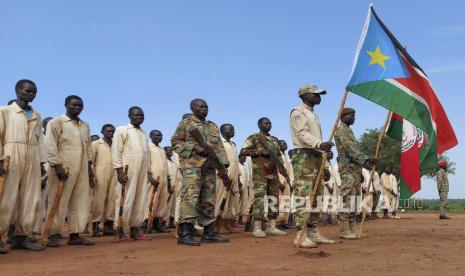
[[389, 151], [450, 167], [453, 205]]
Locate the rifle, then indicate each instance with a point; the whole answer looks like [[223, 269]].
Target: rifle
[[119, 225], [151, 213], [212, 158], [6, 167], [53, 210], [218, 220], [275, 158], [248, 225]]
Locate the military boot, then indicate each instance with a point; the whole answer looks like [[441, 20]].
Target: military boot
[[108, 229], [185, 235], [137, 236], [272, 230], [23, 242], [257, 230], [95, 229], [315, 236], [345, 232], [194, 231], [75, 239], [248, 227], [210, 236], [306, 243], [54, 240]]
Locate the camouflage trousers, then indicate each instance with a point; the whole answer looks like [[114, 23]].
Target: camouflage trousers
[[350, 192], [443, 190], [198, 197], [306, 167], [266, 188]]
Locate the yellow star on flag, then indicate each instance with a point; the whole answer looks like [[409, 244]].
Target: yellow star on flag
[[378, 57]]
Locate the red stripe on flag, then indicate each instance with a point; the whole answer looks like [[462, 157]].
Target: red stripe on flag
[[419, 85]]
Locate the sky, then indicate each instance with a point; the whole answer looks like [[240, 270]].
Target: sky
[[246, 58]]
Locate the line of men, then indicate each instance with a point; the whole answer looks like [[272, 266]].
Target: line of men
[[65, 153]]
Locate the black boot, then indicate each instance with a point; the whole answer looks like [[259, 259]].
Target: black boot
[[54, 240], [248, 226], [194, 231], [210, 236], [11, 234], [185, 235], [144, 225], [95, 230], [23, 242], [108, 229], [75, 239]]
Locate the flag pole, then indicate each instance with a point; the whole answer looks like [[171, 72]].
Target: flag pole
[[316, 184], [378, 146]]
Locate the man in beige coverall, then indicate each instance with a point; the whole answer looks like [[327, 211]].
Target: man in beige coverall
[[159, 168], [130, 147], [105, 186], [69, 146], [20, 138]]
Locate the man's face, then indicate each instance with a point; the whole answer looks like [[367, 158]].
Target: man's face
[[136, 117], [265, 125], [156, 137], [242, 159], [108, 132], [314, 99], [27, 92], [74, 107], [169, 152], [228, 131], [349, 119], [200, 109], [282, 145]]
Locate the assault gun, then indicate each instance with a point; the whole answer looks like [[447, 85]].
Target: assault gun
[[282, 170], [212, 158]]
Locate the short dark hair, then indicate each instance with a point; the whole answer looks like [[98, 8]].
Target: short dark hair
[[155, 130], [72, 97], [107, 125], [11, 101], [262, 119], [132, 108], [196, 100], [223, 126], [20, 83]]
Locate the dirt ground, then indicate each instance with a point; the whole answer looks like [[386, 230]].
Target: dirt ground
[[416, 244]]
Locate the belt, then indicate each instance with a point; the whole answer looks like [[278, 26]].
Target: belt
[[310, 151]]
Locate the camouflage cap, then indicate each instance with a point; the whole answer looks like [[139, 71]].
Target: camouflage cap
[[310, 88]]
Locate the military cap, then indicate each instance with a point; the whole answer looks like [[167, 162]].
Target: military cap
[[347, 110], [310, 88]]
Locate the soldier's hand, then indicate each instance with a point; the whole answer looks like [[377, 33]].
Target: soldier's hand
[[61, 173], [327, 175], [223, 174], [331, 190], [122, 179], [153, 181], [42, 170], [200, 150], [329, 155], [326, 146], [170, 189], [266, 154]]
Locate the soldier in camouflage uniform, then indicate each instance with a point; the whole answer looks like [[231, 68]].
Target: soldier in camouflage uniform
[[443, 188], [350, 162], [198, 196], [265, 178], [306, 161]]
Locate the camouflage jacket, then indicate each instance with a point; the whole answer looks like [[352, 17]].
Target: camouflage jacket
[[348, 148], [183, 143], [253, 148]]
